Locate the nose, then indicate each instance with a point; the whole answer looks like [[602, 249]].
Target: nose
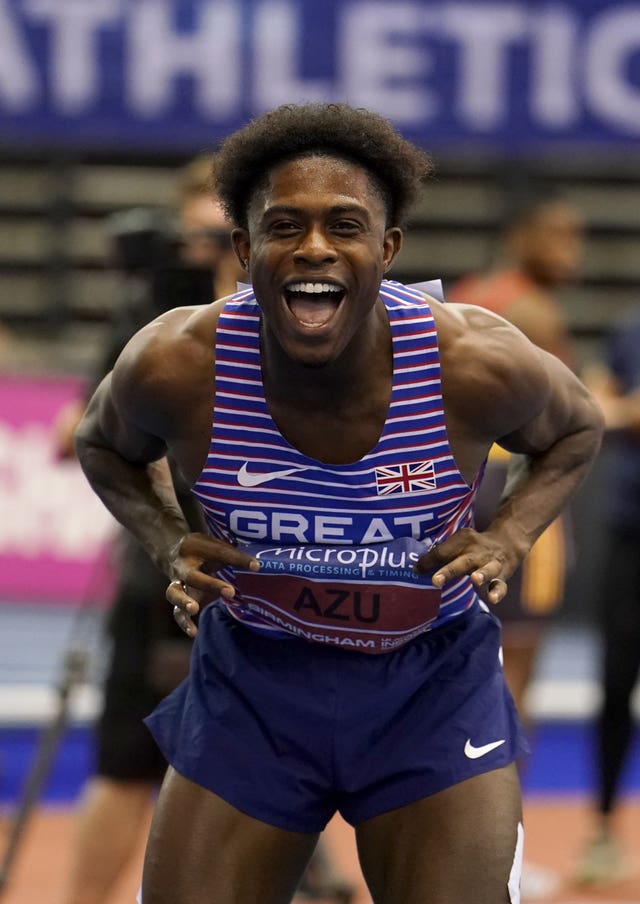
[[315, 247]]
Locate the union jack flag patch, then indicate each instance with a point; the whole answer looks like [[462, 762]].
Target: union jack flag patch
[[409, 478]]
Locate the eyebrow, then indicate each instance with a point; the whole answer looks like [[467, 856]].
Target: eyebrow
[[286, 209]]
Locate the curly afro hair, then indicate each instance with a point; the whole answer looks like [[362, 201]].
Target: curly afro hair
[[245, 157]]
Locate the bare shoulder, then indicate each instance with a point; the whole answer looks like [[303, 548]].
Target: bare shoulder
[[493, 377], [165, 363]]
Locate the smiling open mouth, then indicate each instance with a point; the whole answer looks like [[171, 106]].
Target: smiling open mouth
[[313, 304]]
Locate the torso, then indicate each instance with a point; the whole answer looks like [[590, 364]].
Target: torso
[[394, 491], [184, 362], [341, 445]]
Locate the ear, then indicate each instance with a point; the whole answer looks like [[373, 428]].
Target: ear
[[241, 246], [391, 245]]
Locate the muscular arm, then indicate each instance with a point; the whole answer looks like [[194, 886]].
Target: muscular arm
[[147, 407], [560, 444], [501, 388], [128, 470]]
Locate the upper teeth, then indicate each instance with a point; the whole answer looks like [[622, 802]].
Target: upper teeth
[[315, 288]]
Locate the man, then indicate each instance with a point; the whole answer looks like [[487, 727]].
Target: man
[[348, 662], [539, 252], [203, 227], [616, 386]]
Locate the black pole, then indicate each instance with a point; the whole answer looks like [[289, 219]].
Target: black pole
[[74, 670]]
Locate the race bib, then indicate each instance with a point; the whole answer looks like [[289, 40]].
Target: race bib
[[366, 598]]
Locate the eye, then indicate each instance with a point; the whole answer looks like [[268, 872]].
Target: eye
[[347, 227], [283, 227]]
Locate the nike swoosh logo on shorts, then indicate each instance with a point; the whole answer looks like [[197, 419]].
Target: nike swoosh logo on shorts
[[245, 479], [474, 752]]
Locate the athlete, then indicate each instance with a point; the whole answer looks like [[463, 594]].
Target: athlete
[[334, 426], [615, 383]]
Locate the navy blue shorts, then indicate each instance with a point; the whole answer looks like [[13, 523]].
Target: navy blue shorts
[[289, 731]]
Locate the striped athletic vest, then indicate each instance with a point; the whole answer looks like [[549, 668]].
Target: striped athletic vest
[[337, 543]]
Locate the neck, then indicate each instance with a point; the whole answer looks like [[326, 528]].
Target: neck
[[367, 362]]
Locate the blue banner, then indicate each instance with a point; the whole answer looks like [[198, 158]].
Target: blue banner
[[184, 73]]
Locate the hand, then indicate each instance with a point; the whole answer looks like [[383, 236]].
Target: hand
[[193, 560], [472, 553]]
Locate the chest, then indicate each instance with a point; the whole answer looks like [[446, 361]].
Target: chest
[[338, 434], [384, 476]]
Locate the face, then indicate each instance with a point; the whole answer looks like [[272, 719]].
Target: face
[[550, 244], [317, 247], [205, 231]]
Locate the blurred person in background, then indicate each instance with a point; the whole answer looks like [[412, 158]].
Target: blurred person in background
[[616, 386], [151, 246], [204, 228], [539, 251]]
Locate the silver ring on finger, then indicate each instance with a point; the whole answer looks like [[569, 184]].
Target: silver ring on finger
[[180, 584]]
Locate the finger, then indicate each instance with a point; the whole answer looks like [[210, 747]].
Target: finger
[[178, 594], [435, 556], [184, 607], [497, 590], [184, 621], [440, 553], [486, 572], [217, 553], [465, 564], [208, 585]]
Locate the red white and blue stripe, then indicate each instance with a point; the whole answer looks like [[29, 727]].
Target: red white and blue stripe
[[256, 488]]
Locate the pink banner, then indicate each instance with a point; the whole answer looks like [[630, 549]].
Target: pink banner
[[54, 531]]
